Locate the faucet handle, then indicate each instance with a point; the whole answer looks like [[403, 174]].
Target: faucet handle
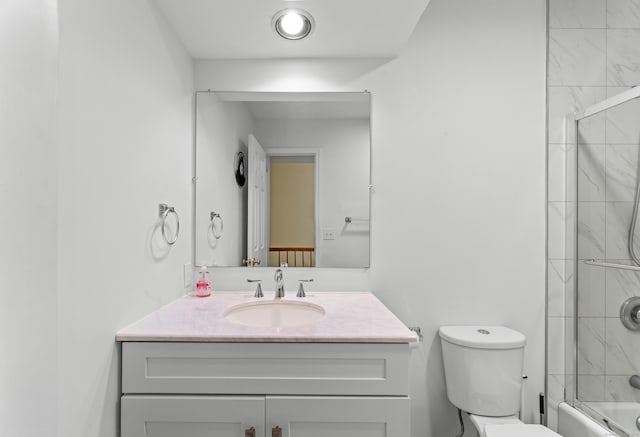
[[258, 292], [301, 292]]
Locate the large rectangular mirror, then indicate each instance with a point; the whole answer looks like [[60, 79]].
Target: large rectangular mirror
[[282, 179]]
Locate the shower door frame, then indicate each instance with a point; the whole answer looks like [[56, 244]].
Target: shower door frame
[[571, 235]]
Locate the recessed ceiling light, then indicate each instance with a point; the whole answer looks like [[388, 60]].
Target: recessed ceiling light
[[293, 23]]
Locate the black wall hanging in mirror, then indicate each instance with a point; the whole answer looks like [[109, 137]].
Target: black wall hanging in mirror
[[240, 169]]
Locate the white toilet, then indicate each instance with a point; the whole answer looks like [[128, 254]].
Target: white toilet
[[483, 371]]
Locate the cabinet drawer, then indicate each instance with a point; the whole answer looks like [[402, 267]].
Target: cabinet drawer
[[266, 368]]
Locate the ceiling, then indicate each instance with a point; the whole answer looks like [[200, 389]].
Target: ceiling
[[241, 29]]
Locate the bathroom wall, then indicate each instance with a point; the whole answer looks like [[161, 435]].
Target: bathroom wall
[[125, 113], [28, 190], [458, 228], [344, 181], [594, 53], [467, 214], [223, 130]]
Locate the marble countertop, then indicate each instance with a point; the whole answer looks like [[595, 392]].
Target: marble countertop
[[351, 317]]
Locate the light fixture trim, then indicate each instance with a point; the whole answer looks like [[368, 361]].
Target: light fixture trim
[[283, 18]]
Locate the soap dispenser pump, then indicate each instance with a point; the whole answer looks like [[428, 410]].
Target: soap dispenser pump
[[203, 285]]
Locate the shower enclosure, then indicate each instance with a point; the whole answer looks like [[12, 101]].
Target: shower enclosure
[[606, 363]]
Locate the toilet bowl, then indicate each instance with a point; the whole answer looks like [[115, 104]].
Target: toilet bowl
[[483, 373]]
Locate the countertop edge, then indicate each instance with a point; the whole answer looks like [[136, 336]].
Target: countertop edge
[[208, 339]]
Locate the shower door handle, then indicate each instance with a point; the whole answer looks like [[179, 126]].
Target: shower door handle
[[634, 381]]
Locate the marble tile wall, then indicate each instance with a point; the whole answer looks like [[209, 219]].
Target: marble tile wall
[[594, 53]]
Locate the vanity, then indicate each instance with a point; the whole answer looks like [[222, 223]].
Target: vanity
[[237, 365], [232, 365]]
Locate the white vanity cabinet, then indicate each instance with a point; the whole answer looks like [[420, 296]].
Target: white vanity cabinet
[[205, 389]]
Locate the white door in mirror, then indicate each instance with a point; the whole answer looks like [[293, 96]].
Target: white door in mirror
[[257, 235]]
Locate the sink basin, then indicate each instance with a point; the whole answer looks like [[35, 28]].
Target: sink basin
[[275, 314]]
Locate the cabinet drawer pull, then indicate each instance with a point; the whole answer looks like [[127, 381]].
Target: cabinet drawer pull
[[251, 432], [276, 432]]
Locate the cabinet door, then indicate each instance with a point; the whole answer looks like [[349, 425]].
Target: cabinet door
[[338, 416], [191, 416]]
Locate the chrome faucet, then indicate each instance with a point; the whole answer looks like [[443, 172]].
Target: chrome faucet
[[279, 283]]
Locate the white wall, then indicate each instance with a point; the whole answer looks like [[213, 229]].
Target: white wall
[[124, 147], [344, 181], [466, 101], [223, 130], [28, 194]]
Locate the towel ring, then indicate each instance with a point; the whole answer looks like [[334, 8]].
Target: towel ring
[[212, 226], [163, 211]]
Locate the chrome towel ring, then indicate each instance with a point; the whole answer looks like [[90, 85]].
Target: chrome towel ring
[[163, 211], [216, 231]]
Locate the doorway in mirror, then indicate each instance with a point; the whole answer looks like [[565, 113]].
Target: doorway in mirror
[[292, 236]]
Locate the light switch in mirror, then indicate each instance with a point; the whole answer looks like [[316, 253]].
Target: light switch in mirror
[[307, 164]]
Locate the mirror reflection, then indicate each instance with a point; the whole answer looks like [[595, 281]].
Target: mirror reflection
[[282, 179]]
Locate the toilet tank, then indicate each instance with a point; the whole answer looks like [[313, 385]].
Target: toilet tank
[[483, 368]]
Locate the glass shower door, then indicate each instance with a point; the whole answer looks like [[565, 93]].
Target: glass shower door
[[607, 351]]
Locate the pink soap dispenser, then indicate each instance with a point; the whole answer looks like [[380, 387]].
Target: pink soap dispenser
[[203, 285]]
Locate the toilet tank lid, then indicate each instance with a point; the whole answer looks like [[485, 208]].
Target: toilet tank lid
[[483, 337]]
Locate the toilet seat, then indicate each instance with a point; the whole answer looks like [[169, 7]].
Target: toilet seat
[[508, 426], [518, 430], [481, 422]]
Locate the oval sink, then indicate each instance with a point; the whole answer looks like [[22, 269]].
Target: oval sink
[[275, 314]]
